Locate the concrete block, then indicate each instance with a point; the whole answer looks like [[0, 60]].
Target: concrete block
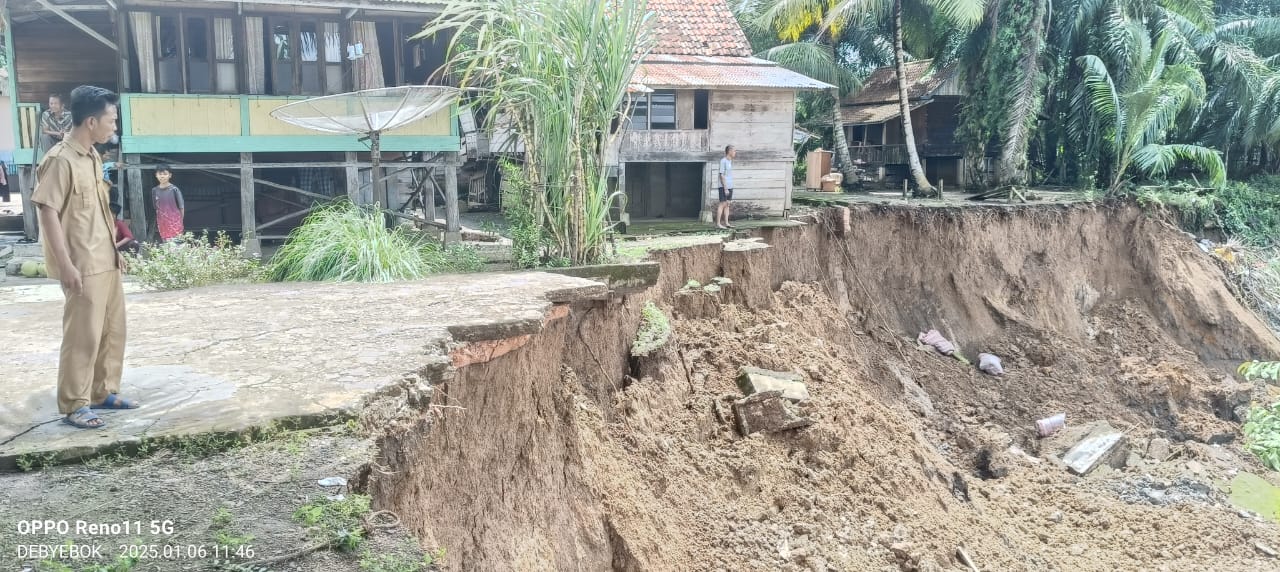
[[767, 412], [754, 380], [28, 250], [1096, 449]]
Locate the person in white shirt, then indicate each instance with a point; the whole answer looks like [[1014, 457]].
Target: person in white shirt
[[723, 208]]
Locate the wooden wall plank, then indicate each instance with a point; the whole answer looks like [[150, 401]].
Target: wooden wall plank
[[52, 56]]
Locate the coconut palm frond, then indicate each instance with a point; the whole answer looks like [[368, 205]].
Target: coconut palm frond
[[1157, 160]]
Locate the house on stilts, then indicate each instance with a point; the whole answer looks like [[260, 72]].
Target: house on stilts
[[198, 81], [873, 126]]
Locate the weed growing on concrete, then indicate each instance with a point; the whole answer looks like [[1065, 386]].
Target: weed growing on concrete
[[335, 523], [34, 461], [194, 260], [655, 330]]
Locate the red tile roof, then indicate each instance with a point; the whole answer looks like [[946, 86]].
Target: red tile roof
[[697, 28]]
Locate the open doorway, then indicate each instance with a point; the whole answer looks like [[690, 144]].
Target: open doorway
[[664, 190]]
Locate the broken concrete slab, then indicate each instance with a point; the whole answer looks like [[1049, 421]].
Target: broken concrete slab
[[621, 279], [232, 358], [753, 380], [768, 412], [1101, 446]]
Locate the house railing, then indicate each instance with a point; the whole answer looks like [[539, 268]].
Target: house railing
[[879, 154], [897, 154], [665, 140]]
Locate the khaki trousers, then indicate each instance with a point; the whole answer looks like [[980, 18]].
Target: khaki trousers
[[93, 331]]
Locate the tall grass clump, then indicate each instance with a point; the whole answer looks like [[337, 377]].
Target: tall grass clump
[[346, 243], [556, 73], [191, 260]]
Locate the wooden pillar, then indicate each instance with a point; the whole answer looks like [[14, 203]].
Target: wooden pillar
[[248, 212], [353, 178], [26, 186], [137, 204], [429, 194], [452, 226]]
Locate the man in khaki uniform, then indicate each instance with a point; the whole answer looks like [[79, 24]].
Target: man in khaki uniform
[[78, 233]]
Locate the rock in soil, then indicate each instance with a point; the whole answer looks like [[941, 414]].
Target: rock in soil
[[767, 412], [753, 380]]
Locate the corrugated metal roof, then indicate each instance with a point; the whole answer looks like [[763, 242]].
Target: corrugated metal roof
[[721, 72], [872, 114]]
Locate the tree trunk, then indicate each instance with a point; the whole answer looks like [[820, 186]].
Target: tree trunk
[[923, 188], [1012, 169], [842, 143]]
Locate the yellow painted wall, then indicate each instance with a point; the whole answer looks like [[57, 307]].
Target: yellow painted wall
[[262, 123], [184, 115]]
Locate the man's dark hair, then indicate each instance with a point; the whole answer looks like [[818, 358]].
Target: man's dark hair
[[57, 96], [163, 168], [90, 101], [115, 209], [727, 148]]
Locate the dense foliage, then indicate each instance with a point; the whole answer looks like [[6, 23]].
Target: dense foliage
[[1093, 93]]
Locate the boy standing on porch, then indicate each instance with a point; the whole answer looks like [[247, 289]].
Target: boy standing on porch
[[170, 209], [724, 207]]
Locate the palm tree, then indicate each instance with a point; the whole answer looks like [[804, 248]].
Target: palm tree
[[1135, 114], [1023, 102], [786, 32], [964, 14]]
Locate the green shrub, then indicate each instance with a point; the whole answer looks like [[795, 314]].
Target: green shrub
[[190, 260], [529, 241], [654, 331], [1262, 434], [347, 243]]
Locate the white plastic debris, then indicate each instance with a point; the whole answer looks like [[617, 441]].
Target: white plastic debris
[[990, 364], [332, 482], [933, 338]]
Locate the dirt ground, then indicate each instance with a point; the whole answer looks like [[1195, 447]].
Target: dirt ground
[[256, 488], [896, 473], [567, 455]]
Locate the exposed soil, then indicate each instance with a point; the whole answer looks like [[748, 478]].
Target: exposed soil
[[568, 455]]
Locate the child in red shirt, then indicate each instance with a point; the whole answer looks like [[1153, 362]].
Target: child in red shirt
[[124, 238]]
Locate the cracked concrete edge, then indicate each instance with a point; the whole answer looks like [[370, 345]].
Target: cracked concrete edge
[[129, 445], [618, 278]]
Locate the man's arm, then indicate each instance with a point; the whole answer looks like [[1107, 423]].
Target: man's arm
[[182, 205], [67, 271], [53, 187]]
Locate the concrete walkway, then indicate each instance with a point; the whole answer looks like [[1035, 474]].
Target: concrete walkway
[[234, 357]]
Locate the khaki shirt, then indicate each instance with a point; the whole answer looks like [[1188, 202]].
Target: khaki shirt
[[69, 181]]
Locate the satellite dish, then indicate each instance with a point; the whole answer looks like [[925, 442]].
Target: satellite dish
[[369, 113]]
